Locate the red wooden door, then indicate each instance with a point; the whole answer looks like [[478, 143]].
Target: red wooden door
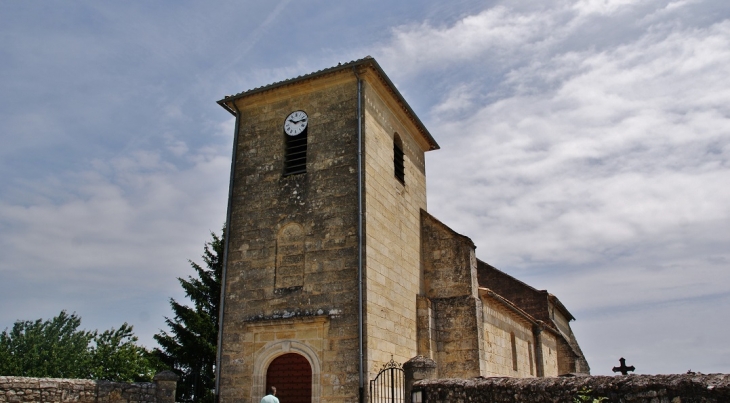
[[291, 374]]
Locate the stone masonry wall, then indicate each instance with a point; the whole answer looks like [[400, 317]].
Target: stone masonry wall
[[449, 262], [459, 336], [549, 343], [449, 266], [293, 241], [392, 229], [55, 390], [686, 388], [499, 325]]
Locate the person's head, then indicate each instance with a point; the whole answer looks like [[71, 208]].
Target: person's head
[[273, 390]]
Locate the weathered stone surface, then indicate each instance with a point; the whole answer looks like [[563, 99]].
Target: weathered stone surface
[[416, 369], [291, 282], [56, 390], [544, 307], [293, 252], [686, 388]]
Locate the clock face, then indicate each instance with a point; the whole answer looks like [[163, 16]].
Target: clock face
[[295, 123]]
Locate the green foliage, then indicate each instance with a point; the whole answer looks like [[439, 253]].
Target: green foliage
[[56, 348], [115, 356], [190, 347], [584, 395]]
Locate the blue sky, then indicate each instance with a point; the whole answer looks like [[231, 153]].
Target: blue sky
[[585, 149]]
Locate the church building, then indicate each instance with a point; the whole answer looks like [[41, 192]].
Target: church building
[[334, 269]]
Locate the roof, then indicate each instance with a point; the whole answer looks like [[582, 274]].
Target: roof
[[517, 310], [367, 61], [550, 297]]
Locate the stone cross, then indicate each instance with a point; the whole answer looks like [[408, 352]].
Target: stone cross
[[623, 369]]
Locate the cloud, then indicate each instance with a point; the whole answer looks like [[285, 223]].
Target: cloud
[[117, 234], [495, 31], [590, 135], [676, 337], [596, 168], [633, 140], [127, 203]]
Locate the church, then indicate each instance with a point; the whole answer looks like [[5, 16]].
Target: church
[[335, 270]]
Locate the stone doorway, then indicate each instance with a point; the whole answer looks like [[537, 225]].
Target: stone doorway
[[292, 376]]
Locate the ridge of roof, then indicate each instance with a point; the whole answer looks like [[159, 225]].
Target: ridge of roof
[[365, 61], [513, 277], [552, 298]]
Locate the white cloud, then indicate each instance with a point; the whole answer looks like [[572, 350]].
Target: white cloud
[[496, 32], [584, 149], [596, 169], [603, 7], [643, 124], [117, 234]]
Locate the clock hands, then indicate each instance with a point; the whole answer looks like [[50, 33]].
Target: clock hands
[[296, 123]]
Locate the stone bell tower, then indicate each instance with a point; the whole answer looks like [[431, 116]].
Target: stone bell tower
[[323, 255]]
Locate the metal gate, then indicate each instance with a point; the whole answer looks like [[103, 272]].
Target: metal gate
[[389, 385]]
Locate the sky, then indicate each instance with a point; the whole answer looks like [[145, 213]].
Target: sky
[[585, 149]]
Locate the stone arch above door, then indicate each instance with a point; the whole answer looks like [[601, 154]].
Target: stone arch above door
[[266, 355], [291, 374]]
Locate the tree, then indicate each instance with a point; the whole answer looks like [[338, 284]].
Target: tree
[[56, 348], [190, 347], [115, 356]]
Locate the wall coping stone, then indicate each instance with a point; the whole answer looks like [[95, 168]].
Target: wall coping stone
[[60, 390], [166, 376], [677, 388]]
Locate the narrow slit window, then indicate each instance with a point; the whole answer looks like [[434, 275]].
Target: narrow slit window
[[514, 351], [398, 160]]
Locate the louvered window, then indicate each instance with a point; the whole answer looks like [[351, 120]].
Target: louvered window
[[398, 160], [295, 161]]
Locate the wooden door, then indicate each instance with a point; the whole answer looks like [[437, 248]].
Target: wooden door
[[291, 374]]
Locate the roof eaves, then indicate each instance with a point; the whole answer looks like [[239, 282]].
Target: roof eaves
[[519, 311], [368, 60], [560, 306], [515, 279]]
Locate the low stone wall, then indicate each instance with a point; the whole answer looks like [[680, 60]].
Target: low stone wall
[[54, 390], [686, 388]]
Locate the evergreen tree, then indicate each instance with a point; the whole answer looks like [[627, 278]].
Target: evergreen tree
[[190, 347], [56, 348]]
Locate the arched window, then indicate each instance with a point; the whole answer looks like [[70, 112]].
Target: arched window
[[398, 160]]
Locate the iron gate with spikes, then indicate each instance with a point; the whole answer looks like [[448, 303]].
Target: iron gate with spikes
[[389, 385]]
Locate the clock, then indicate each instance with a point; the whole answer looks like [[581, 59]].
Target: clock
[[295, 123]]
